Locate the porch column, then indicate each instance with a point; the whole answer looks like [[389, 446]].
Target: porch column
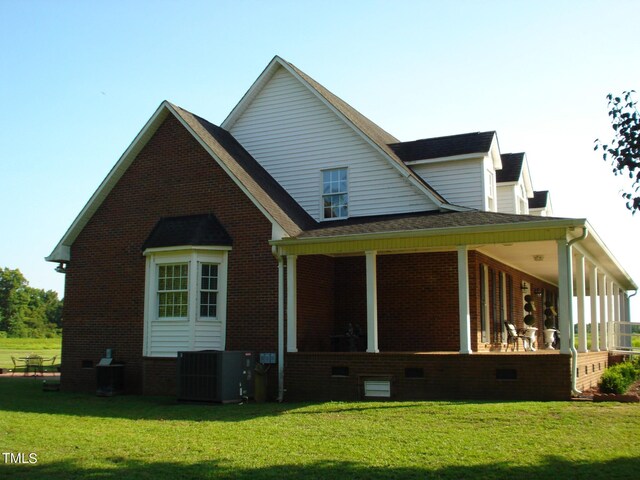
[[581, 291], [280, 328], [463, 300], [372, 303], [602, 281], [565, 295], [611, 341], [616, 317], [292, 303], [593, 297]]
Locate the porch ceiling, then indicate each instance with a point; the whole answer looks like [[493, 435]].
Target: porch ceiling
[[539, 259]]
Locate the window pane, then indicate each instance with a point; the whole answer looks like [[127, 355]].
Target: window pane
[[173, 290]]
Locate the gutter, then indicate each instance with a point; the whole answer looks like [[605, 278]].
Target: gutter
[[572, 335]]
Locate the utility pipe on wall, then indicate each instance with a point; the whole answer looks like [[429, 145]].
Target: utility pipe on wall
[[572, 347]]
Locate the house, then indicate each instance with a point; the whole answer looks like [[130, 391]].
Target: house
[[370, 267]]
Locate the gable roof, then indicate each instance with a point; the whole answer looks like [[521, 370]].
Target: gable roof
[[539, 200], [448, 146], [511, 167], [187, 230], [372, 133], [268, 196]]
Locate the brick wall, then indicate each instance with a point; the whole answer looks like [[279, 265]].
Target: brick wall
[[105, 280], [591, 366], [523, 376]]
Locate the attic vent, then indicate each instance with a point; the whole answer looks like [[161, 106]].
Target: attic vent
[[377, 388]]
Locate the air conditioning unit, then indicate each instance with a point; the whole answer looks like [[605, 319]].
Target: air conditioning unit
[[215, 376]]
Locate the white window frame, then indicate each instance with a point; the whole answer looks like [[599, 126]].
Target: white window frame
[[194, 257], [323, 195], [492, 204]]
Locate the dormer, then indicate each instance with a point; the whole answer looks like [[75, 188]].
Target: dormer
[[540, 204], [514, 184], [462, 168]]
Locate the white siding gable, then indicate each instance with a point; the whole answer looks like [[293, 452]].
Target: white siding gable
[[294, 135], [459, 181], [507, 198]]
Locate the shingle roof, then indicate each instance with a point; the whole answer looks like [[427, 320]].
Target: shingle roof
[[260, 184], [378, 135], [189, 230], [417, 221], [511, 167], [539, 200], [440, 147]]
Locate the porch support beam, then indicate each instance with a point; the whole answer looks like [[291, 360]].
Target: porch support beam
[[280, 328], [463, 300], [610, 316], [593, 297], [565, 295], [602, 281], [581, 292], [292, 303], [372, 303]]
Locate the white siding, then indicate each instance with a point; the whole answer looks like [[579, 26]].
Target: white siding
[[208, 335], [294, 135], [459, 181], [506, 199], [168, 337]]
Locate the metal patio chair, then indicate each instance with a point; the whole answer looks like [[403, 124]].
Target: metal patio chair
[[513, 336], [17, 363]]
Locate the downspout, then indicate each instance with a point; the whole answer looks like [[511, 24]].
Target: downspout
[[280, 324], [572, 335]]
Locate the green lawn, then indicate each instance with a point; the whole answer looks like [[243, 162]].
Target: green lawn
[[132, 437], [21, 347]]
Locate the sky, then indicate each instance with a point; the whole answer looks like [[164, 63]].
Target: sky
[[79, 79]]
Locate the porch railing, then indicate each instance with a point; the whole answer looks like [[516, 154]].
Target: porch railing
[[625, 337]]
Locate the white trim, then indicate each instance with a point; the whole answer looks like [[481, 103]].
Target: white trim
[[182, 248], [452, 158], [292, 303], [264, 77], [372, 302], [463, 300], [593, 300], [194, 258]]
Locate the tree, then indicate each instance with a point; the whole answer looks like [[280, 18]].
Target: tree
[[27, 311], [624, 149]]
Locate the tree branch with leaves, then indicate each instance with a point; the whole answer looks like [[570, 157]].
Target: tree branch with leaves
[[624, 149]]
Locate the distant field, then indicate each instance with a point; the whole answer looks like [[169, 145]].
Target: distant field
[[21, 347]]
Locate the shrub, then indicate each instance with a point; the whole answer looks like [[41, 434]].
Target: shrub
[[618, 378]]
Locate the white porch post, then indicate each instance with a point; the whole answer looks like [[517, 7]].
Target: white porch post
[[463, 300], [292, 303], [280, 328], [602, 280], [593, 297], [581, 292], [565, 295], [615, 327], [610, 340], [372, 303]]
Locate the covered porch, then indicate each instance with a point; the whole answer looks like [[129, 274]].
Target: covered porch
[[428, 307]]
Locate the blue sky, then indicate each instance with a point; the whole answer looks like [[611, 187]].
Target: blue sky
[[79, 79]]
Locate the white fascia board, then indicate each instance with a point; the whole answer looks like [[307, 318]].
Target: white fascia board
[[62, 250], [569, 224], [494, 153], [253, 91], [597, 250], [224, 167], [264, 77], [180, 248], [452, 158], [526, 177]]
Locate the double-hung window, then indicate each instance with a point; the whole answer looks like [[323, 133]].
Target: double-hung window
[[335, 195], [185, 306]]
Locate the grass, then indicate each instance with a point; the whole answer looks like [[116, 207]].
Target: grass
[[21, 347], [133, 437]]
